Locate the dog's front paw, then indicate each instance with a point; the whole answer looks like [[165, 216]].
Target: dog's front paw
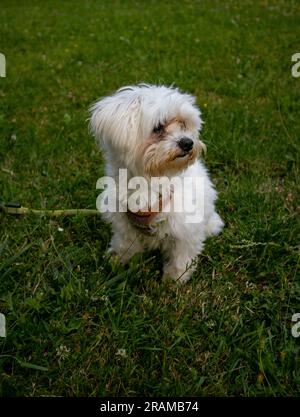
[[174, 275], [115, 258], [214, 225]]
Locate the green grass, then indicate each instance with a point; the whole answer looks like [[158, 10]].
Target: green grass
[[70, 311]]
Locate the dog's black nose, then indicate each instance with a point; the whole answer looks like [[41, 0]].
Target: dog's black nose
[[186, 144]]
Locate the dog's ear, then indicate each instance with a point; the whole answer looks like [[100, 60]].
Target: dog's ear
[[101, 114], [115, 117]]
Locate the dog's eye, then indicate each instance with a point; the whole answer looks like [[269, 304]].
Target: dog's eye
[[158, 129]]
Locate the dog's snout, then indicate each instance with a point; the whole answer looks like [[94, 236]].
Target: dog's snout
[[186, 144]]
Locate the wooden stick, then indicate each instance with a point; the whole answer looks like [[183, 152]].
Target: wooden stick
[[52, 213]]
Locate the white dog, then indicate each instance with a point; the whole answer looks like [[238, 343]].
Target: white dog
[[153, 131]]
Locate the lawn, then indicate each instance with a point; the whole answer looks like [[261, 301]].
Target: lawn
[[79, 324]]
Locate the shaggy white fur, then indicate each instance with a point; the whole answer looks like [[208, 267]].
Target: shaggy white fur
[[153, 131]]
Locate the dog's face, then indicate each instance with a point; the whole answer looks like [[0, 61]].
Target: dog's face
[[171, 146], [153, 130]]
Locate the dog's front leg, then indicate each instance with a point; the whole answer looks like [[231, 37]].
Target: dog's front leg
[[125, 241], [181, 262]]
